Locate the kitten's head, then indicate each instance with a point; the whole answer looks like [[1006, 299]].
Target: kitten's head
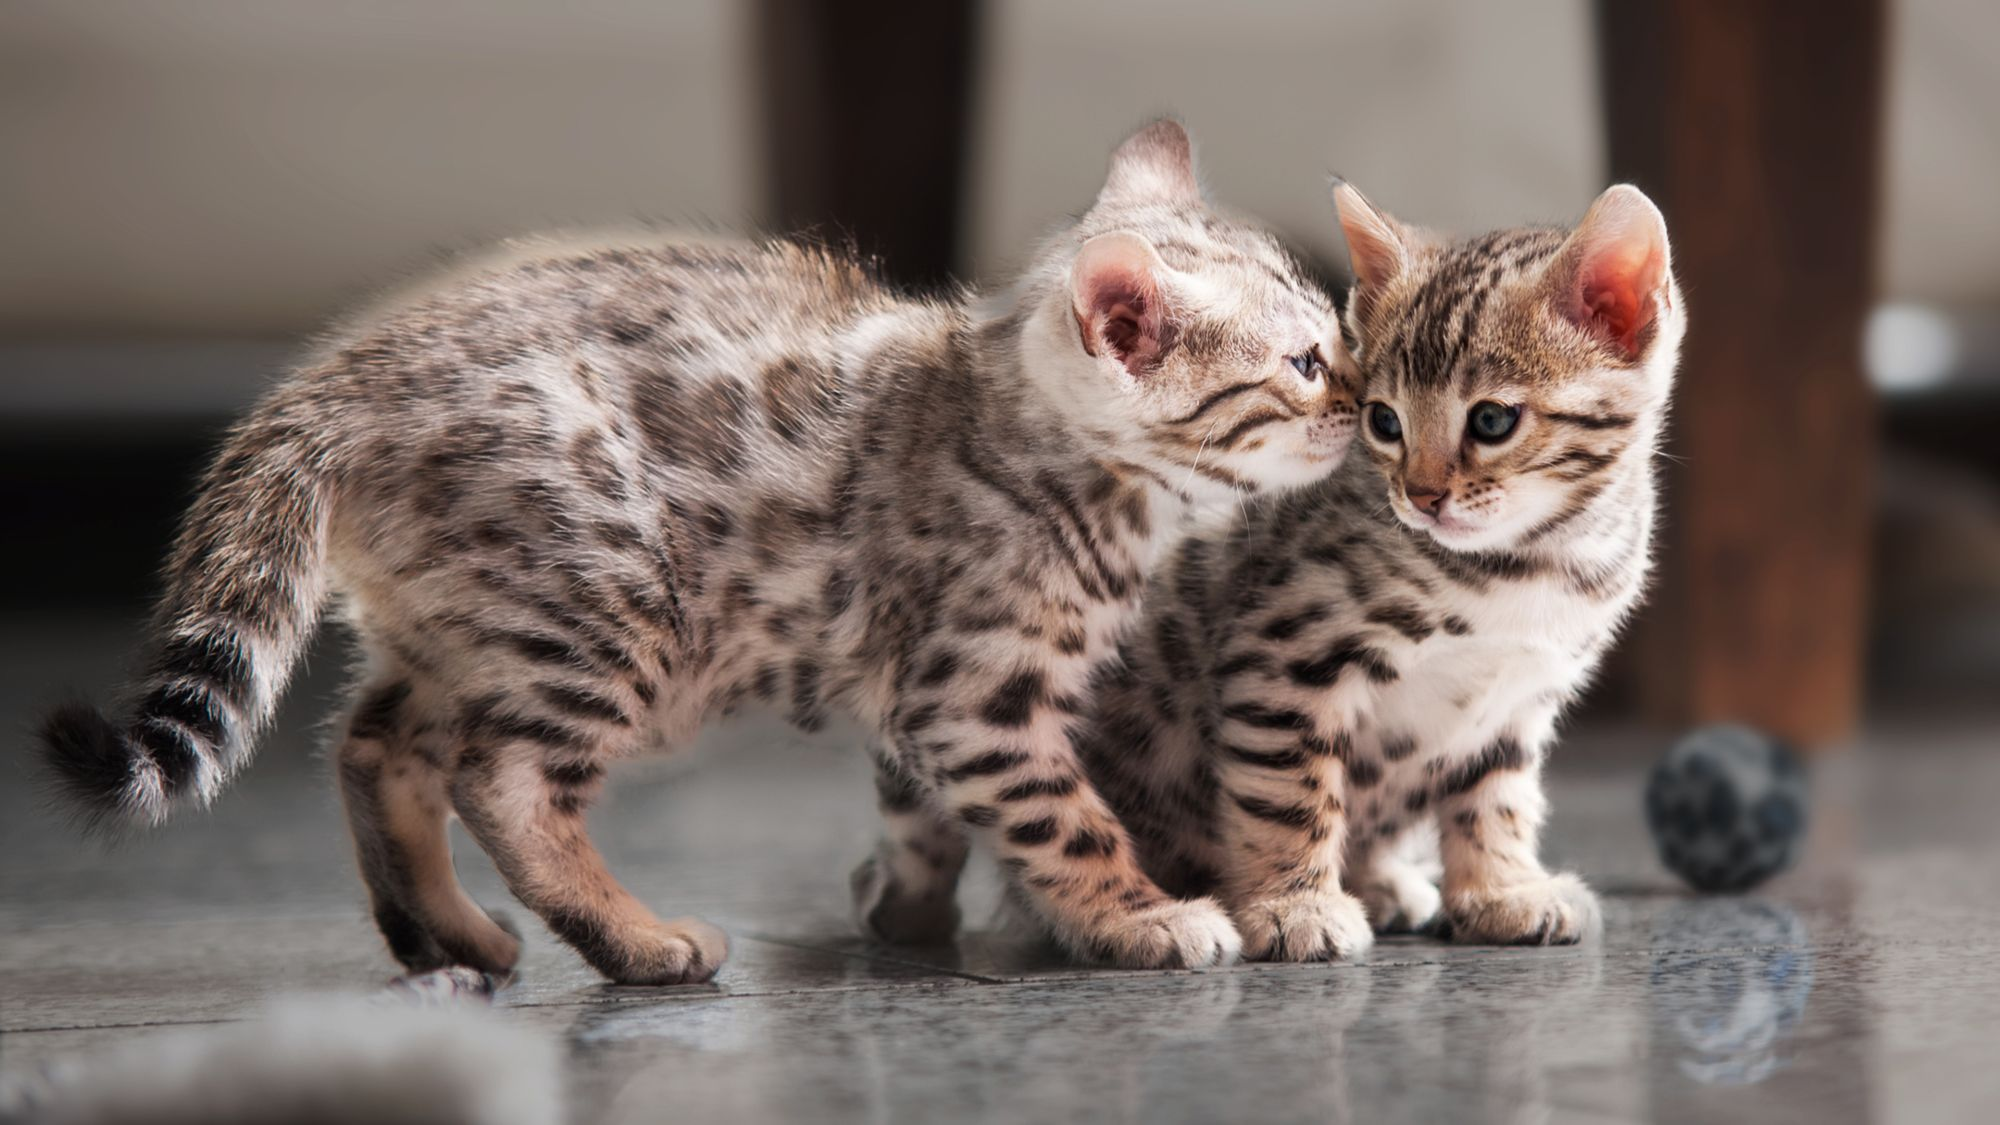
[[1509, 380], [1189, 340]]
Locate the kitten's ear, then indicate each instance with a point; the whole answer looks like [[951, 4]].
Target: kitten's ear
[[1154, 165], [1377, 245], [1612, 277], [1115, 289]]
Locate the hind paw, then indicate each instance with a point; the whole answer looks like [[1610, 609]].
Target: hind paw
[[900, 915], [1399, 900]]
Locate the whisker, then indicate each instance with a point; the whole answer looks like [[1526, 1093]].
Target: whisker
[[1210, 432]]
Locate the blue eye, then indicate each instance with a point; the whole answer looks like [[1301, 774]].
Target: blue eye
[[1306, 364], [1384, 423], [1492, 421]]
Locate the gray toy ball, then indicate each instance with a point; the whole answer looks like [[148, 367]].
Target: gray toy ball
[[1727, 807]]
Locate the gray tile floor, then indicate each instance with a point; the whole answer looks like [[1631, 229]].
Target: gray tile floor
[[1858, 987]]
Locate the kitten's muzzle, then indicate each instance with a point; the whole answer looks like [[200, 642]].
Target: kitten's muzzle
[[1428, 502], [1328, 437], [1428, 512]]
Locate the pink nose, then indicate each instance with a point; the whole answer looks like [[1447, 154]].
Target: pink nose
[[1426, 501]]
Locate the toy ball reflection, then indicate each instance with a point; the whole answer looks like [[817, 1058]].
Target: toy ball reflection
[[1730, 1011]]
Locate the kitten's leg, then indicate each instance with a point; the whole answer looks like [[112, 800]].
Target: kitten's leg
[[1396, 884], [1150, 763], [907, 892], [524, 802], [1006, 764], [1281, 809], [1490, 810], [397, 808]]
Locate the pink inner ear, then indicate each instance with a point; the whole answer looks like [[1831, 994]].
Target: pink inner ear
[[1123, 313], [1124, 329], [1615, 310], [1615, 288], [1612, 278]]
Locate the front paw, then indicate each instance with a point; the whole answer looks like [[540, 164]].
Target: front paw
[[899, 915], [1311, 926], [1174, 934], [1556, 910]]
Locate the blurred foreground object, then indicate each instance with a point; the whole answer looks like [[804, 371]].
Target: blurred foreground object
[[1727, 807], [326, 1061]]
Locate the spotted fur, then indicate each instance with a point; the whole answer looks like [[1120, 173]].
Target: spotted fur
[[1346, 672], [580, 501]]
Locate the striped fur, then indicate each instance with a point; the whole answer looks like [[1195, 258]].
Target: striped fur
[[1343, 674], [227, 635], [580, 501]]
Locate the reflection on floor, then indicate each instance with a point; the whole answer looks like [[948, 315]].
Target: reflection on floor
[[1858, 987]]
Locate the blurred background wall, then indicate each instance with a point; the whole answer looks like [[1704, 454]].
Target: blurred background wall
[[187, 188], [243, 167]]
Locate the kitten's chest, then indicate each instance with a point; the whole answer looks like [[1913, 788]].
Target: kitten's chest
[[1519, 655], [1460, 689]]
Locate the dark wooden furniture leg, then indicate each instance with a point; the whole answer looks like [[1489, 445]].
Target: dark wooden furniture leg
[[1757, 128], [867, 107]]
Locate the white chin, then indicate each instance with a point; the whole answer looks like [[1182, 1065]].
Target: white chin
[[1461, 537]]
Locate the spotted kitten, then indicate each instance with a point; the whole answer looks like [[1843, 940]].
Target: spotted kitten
[[578, 504], [1383, 658]]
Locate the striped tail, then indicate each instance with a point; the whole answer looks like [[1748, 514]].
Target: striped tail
[[244, 588]]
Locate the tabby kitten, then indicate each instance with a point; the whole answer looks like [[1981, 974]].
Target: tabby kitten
[[580, 503], [1384, 657]]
